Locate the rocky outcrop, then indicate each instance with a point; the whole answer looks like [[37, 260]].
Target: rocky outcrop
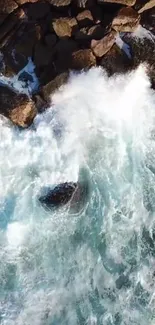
[[17, 107], [60, 35]]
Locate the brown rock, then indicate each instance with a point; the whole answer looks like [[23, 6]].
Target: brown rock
[[83, 59], [150, 4], [126, 20], [53, 85], [116, 61], [65, 26], [123, 2], [102, 46], [60, 3], [85, 18], [6, 7], [17, 107]]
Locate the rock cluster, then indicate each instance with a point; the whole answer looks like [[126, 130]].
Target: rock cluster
[[63, 35]]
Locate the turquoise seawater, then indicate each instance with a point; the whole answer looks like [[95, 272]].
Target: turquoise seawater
[[95, 267]]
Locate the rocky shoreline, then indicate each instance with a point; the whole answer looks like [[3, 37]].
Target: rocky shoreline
[[63, 35]]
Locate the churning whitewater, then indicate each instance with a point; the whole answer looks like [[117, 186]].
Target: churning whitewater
[[97, 266]]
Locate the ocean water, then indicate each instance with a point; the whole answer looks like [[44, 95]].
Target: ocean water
[[95, 267]]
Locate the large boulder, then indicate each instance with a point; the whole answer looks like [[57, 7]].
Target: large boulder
[[83, 59], [65, 26], [17, 107], [126, 20], [102, 46], [60, 3]]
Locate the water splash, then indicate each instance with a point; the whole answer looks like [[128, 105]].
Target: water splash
[[97, 267]]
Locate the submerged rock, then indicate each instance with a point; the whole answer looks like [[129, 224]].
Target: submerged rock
[[73, 193], [59, 195]]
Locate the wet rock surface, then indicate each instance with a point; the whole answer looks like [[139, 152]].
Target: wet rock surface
[[17, 107], [64, 35]]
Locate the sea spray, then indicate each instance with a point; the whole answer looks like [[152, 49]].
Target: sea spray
[[96, 267]]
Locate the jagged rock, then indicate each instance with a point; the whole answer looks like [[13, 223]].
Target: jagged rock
[[76, 195], [6, 7], [17, 107], [150, 4], [60, 3], [116, 61], [126, 20], [65, 26], [101, 47], [85, 18], [123, 2], [53, 85], [83, 59]]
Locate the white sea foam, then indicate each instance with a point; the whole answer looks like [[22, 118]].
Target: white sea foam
[[96, 267]]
